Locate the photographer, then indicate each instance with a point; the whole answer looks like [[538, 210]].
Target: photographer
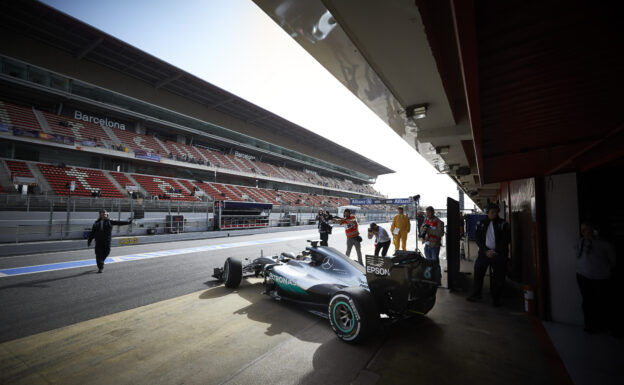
[[381, 237], [353, 235], [431, 234], [324, 228]]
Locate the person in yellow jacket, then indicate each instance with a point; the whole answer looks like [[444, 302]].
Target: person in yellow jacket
[[399, 229]]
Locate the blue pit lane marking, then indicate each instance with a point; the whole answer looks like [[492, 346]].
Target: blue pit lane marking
[[136, 257]]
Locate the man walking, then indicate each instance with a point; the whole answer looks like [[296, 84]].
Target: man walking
[[493, 238], [431, 234], [400, 228], [353, 235], [101, 231]]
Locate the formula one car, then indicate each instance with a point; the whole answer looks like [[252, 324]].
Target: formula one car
[[331, 285]]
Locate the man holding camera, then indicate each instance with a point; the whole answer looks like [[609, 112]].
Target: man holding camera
[[381, 237], [353, 235], [431, 234], [324, 228]]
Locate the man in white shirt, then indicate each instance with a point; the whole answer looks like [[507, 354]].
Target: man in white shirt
[[381, 237], [493, 238]]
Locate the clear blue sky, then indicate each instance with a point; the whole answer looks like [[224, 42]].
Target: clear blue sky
[[234, 45]]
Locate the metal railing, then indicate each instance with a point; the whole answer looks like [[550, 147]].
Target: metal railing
[[15, 202], [50, 217]]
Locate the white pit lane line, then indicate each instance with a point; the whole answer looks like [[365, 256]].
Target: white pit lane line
[[11, 272]]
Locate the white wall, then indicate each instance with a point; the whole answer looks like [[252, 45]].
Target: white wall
[[563, 232]]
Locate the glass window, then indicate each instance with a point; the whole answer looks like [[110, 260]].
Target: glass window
[[59, 83], [14, 68], [39, 76]]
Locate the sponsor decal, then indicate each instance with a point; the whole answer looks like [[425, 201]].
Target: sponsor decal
[[377, 270], [128, 241], [282, 280], [354, 309]]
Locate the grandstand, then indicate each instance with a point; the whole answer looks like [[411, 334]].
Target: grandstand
[[150, 131], [93, 135]]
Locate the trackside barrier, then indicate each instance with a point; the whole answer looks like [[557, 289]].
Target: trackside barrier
[[48, 217]]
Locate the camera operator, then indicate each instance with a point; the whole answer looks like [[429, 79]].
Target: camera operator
[[353, 235], [381, 237], [324, 228], [431, 234]]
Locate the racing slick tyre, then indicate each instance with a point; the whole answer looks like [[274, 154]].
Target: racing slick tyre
[[232, 273], [353, 314]]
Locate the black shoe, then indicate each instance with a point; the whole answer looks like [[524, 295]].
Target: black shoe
[[474, 298], [100, 270]]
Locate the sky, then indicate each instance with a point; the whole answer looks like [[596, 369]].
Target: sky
[[234, 45]]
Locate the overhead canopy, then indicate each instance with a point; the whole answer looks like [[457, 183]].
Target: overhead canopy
[[513, 89], [548, 85]]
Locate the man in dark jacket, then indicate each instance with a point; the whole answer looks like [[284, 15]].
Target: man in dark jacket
[[102, 230], [493, 237], [324, 228]]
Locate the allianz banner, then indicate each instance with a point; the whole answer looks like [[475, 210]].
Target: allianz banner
[[370, 201]]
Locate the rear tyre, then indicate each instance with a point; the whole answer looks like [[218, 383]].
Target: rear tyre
[[353, 314], [232, 273]]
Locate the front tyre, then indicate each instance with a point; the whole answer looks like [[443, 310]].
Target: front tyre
[[352, 314], [232, 273]]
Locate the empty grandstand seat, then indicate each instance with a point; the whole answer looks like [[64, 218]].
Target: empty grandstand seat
[[160, 185], [229, 194], [18, 116], [80, 130], [210, 190], [183, 150], [136, 141], [18, 168], [87, 181]]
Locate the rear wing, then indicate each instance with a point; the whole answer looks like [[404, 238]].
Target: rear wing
[[403, 283]]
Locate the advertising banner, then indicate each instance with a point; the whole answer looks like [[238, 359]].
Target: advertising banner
[[142, 154], [43, 135], [371, 201]]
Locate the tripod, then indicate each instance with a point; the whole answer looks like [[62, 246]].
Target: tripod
[[416, 199]]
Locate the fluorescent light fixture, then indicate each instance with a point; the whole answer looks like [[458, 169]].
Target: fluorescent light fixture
[[417, 111]]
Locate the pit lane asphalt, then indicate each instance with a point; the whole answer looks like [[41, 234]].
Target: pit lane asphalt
[[34, 303]]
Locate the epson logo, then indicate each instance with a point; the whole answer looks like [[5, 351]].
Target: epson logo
[[104, 122], [377, 270]]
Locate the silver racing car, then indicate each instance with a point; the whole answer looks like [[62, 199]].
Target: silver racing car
[[333, 286]]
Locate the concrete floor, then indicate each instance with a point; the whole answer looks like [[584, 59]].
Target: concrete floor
[[219, 336], [588, 358]]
